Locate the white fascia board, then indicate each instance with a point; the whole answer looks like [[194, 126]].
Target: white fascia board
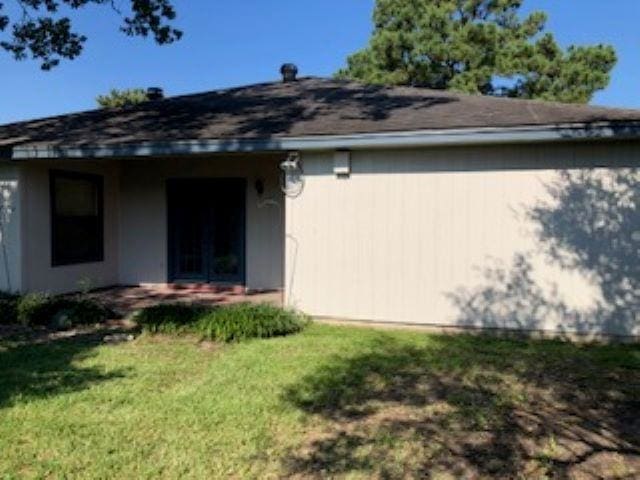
[[422, 138]]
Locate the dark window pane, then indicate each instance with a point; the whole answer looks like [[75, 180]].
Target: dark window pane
[[76, 218], [76, 197], [226, 240], [189, 239]]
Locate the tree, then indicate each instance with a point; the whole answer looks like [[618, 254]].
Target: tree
[[122, 98], [477, 46], [37, 28]]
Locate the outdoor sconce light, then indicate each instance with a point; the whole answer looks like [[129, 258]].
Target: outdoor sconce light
[[342, 163], [292, 178], [291, 164], [259, 186]]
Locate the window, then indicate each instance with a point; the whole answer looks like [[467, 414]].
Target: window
[[76, 218]]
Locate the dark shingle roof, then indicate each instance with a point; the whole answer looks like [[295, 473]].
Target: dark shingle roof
[[308, 107]]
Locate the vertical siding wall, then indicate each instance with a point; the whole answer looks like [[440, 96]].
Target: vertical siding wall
[[143, 219], [442, 236], [10, 229], [39, 275]]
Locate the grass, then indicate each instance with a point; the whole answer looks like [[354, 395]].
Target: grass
[[328, 402]]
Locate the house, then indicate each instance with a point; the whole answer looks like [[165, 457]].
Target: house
[[385, 204]]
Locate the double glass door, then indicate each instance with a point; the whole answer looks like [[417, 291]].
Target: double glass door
[[207, 230]]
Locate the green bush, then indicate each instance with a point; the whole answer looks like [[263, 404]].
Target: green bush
[[8, 308], [79, 311], [230, 323], [170, 318], [36, 309], [59, 311], [242, 321]]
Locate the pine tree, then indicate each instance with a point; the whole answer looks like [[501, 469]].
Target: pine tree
[[121, 98], [477, 46]]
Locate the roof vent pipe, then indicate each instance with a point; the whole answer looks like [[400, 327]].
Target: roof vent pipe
[[155, 93], [289, 72]]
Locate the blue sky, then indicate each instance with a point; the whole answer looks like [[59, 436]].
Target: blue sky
[[229, 43]]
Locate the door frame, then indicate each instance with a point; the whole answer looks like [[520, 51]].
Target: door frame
[[171, 241]]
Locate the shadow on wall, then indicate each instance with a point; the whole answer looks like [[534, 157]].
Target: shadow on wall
[[591, 226]]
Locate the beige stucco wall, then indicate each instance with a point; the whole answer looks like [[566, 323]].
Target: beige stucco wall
[[447, 236], [143, 216], [38, 274], [10, 229]]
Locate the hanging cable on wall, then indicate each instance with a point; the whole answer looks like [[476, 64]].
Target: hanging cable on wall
[[270, 202], [292, 185]]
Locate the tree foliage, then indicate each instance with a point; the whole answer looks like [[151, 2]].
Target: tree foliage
[[42, 29], [477, 46], [122, 98]]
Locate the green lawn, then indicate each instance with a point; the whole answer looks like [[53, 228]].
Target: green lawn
[[330, 402]]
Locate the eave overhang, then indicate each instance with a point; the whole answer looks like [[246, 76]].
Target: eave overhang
[[359, 141]]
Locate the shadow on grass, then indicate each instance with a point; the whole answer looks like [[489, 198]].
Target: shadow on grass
[[472, 407], [38, 369]]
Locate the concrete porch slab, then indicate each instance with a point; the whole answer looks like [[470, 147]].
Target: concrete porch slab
[[126, 300]]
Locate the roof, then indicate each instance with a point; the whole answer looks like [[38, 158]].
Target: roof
[[309, 107]]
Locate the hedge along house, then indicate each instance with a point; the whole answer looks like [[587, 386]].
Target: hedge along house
[[360, 202]]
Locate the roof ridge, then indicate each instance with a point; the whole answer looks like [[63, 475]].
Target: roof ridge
[[439, 92], [133, 107]]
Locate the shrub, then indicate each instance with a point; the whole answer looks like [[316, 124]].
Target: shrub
[[243, 321], [8, 296], [59, 311], [36, 309], [8, 308], [170, 318], [79, 311], [226, 324]]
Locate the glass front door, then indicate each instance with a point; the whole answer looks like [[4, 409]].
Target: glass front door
[[207, 230]]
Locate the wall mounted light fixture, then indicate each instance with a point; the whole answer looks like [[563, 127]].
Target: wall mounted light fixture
[[342, 163], [259, 186]]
